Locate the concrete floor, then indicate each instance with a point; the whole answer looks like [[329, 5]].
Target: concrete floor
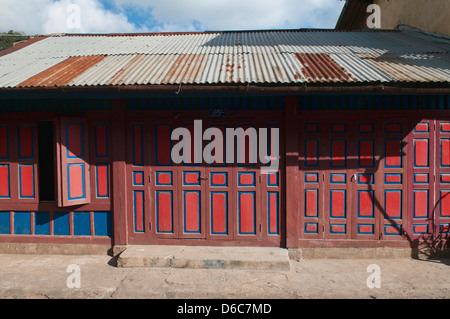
[[46, 276]]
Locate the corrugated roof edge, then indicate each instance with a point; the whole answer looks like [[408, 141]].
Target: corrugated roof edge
[[214, 32], [22, 45]]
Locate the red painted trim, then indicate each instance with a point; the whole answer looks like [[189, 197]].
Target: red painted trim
[[292, 172], [118, 178]]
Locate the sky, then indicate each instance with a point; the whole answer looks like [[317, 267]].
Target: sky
[[130, 16]]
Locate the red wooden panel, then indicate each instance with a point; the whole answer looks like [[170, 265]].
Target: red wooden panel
[[311, 228], [393, 128], [445, 228], [423, 229], [365, 229], [219, 179], [191, 212], [311, 127], [101, 140], [445, 152], [421, 127], [191, 178], [445, 127], [420, 178], [102, 180], [365, 128], [137, 145], [421, 153], [365, 201], [365, 178], [338, 153], [337, 229], [164, 211], [393, 178], [311, 149], [219, 213], [247, 213], [445, 203], [139, 178], [366, 148], [139, 211], [26, 141], [393, 204], [311, 197], [337, 202], [393, 153], [76, 182], [273, 179], [26, 173], [338, 128], [420, 204], [4, 181], [337, 178], [312, 178], [163, 149], [445, 178], [273, 213], [74, 140], [392, 230], [164, 179], [246, 179], [73, 166], [4, 143]]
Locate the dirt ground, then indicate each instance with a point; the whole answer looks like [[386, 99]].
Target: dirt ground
[[47, 276]]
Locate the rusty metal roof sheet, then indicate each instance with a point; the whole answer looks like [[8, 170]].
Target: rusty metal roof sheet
[[275, 57]]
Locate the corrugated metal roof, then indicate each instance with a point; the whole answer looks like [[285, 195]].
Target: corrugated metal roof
[[276, 57]]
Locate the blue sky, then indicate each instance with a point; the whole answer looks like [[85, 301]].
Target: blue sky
[[113, 16]]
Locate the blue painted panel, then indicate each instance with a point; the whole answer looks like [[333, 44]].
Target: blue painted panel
[[22, 223], [61, 224], [81, 224], [42, 223], [5, 223], [103, 224]]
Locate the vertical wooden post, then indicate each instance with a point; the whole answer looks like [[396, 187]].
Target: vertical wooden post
[[119, 202], [292, 171]]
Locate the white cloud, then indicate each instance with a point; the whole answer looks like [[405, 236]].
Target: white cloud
[[240, 14], [49, 16]]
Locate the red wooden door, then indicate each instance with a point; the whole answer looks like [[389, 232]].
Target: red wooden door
[[442, 178], [353, 178], [213, 200]]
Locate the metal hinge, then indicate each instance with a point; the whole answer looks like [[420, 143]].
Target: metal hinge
[[150, 225]]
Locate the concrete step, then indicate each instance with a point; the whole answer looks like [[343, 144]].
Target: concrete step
[[201, 257]]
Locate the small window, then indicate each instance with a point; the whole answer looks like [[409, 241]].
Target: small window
[[46, 165]]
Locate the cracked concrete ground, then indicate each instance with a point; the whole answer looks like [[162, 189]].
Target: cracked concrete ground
[[45, 276]]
